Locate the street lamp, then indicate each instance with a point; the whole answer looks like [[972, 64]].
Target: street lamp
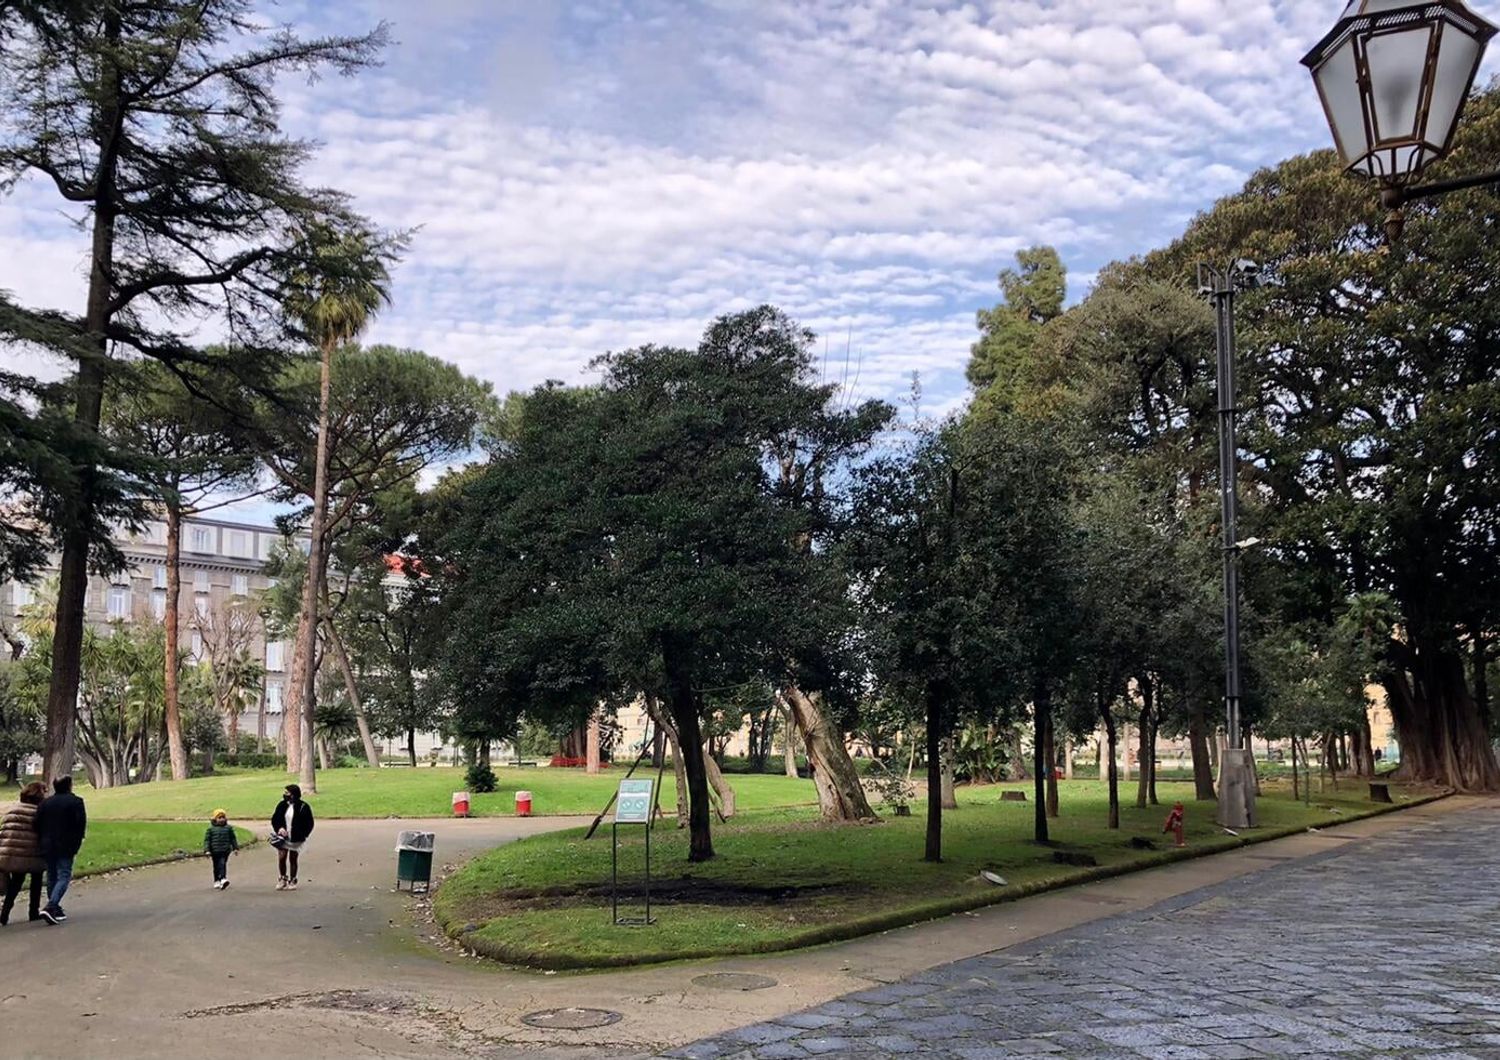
[[1394, 76], [1237, 763]]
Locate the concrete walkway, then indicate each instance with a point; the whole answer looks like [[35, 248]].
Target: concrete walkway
[[157, 963]]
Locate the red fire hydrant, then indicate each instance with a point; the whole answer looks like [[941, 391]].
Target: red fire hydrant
[[1174, 824]]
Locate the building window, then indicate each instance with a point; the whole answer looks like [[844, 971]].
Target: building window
[[201, 539], [158, 577], [197, 645], [200, 605], [21, 596], [273, 697], [158, 604], [200, 581], [240, 585], [120, 577], [275, 656], [241, 544], [119, 602], [267, 545], [156, 533]]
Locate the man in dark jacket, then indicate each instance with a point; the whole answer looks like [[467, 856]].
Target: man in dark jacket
[[60, 824]]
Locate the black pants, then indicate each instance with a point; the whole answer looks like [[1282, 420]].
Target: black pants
[[14, 881], [221, 865]]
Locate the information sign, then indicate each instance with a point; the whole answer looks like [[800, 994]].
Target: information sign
[[633, 806]]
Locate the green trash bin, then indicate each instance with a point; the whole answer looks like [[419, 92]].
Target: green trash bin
[[414, 859]]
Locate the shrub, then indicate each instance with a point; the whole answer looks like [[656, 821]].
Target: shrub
[[253, 760], [480, 778]]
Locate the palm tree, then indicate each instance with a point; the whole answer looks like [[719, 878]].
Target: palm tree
[[340, 281]]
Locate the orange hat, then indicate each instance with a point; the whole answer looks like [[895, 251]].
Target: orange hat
[[217, 814]]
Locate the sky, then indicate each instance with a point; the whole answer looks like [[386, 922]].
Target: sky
[[588, 175]]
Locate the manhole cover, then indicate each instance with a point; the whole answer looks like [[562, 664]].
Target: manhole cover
[[734, 981], [571, 1019]]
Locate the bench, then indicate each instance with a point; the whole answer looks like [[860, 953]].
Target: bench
[[1380, 792], [519, 764], [394, 763]]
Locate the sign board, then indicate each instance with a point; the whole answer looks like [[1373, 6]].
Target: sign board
[[633, 806]]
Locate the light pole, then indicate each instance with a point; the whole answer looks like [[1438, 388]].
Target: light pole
[[1394, 76], [1237, 764]]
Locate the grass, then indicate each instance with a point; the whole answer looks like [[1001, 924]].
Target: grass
[[123, 844], [251, 794], [782, 879]]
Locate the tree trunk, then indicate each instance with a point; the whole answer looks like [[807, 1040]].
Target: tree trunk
[[176, 748], [719, 788], [260, 720], [664, 725], [1051, 756], [1441, 730], [1039, 709], [934, 842], [1125, 749], [325, 756], [591, 754], [950, 797], [1067, 757], [234, 725], [1203, 772], [411, 747], [658, 749], [841, 797], [1108, 718], [789, 745], [1296, 778], [1018, 756], [312, 588], [682, 702], [1102, 743], [60, 748], [1143, 750], [291, 702], [372, 753]]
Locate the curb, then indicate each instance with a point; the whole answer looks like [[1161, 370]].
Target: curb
[[896, 918]]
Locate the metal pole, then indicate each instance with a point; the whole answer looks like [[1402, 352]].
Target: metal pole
[[1224, 290]]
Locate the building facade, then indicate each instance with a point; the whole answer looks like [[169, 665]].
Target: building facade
[[222, 563]]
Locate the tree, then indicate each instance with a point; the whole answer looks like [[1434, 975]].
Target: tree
[[158, 120], [628, 541], [227, 632], [392, 413], [1370, 379], [334, 296], [193, 452], [1034, 294], [939, 620], [809, 456]]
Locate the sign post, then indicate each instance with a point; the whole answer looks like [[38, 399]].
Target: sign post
[[632, 806]]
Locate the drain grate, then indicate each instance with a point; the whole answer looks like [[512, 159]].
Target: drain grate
[[734, 981], [571, 1019]]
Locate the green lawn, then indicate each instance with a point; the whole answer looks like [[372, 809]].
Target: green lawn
[[782, 879], [121, 844], [251, 795]]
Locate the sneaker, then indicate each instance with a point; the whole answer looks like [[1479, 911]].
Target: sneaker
[[281, 884], [291, 884], [52, 918], [224, 883]]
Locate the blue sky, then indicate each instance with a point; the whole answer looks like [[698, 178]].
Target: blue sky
[[594, 174]]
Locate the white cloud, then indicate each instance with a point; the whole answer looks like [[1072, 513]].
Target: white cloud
[[588, 177]]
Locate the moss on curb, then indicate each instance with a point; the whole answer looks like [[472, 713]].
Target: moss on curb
[[904, 916]]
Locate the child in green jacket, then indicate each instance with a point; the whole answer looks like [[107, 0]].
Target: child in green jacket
[[219, 841]]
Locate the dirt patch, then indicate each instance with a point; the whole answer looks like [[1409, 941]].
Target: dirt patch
[[682, 890]]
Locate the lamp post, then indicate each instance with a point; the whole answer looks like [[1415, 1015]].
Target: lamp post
[[1394, 76], [1237, 764]]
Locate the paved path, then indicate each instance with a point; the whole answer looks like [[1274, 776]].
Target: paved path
[[1384, 948]]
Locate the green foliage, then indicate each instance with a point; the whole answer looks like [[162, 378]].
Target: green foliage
[[1001, 361], [480, 778]]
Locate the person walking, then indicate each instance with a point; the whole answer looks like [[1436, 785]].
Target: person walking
[[292, 823], [61, 822], [21, 852], [219, 841]]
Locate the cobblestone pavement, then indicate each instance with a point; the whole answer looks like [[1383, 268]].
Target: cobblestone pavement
[[1383, 948]]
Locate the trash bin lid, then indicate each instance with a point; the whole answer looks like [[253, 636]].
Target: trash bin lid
[[523, 796]]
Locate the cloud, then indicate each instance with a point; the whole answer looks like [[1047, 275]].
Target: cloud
[[598, 175]]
